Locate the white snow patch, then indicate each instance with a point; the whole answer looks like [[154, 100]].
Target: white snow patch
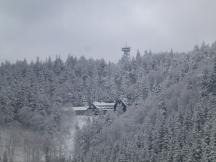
[[79, 123]]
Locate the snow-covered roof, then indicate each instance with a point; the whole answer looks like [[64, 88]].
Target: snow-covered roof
[[80, 108], [124, 100], [104, 105], [70, 108]]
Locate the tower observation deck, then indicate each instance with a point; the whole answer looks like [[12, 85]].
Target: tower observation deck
[[126, 50]]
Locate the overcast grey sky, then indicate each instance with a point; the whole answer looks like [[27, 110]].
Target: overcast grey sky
[[99, 28]]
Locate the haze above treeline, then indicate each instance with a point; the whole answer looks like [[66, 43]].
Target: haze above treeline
[[100, 29]]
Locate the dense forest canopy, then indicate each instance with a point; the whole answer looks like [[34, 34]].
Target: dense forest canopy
[[171, 98], [171, 117]]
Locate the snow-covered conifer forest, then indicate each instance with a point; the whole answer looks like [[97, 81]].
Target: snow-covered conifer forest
[[170, 117]]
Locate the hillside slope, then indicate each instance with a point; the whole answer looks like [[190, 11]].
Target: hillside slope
[[171, 119]]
